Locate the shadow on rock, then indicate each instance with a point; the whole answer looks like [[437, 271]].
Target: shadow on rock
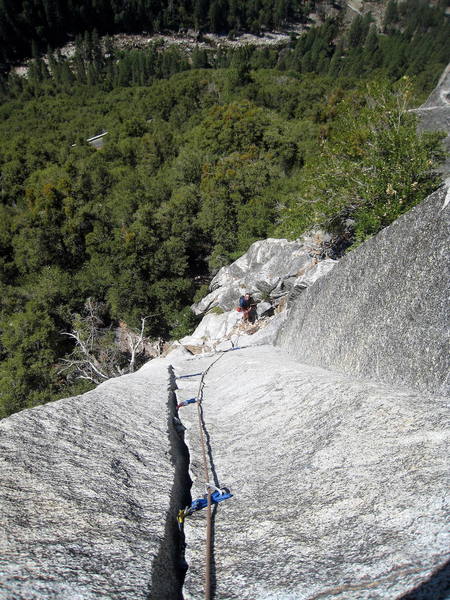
[[169, 566], [437, 587]]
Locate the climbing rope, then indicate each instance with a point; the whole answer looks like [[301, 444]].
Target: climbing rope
[[213, 494], [208, 553]]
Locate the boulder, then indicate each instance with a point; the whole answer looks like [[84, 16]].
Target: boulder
[[263, 308], [213, 328], [382, 311], [264, 331]]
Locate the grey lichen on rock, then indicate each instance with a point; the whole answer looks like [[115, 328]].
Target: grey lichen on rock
[[382, 312]]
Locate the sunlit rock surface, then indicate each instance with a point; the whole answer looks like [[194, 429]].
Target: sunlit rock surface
[[213, 328], [339, 479], [339, 485], [382, 312], [269, 268], [89, 487], [275, 272]]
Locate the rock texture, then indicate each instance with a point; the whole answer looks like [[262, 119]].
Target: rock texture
[[382, 312], [275, 272], [339, 485], [270, 268], [435, 114], [213, 329], [89, 487]]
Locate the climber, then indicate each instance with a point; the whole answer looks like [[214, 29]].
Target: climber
[[247, 307]]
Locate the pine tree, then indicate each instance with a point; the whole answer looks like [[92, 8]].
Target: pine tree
[[53, 15], [199, 58], [356, 33], [280, 12], [306, 63], [390, 17], [67, 77], [91, 75], [372, 53], [335, 66], [200, 14], [235, 14], [87, 47], [216, 17], [97, 54], [53, 65]]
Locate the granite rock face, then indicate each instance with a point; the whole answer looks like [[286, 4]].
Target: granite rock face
[[89, 487], [339, 485], [275, 272], [382, 312], [213, 328], [269, 268], [226, 331], [434, 114]]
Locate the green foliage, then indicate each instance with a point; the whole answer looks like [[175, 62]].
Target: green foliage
[[28, 343], [197, 164], [373, 168], [184, 323], [202, 291], [29, 25]]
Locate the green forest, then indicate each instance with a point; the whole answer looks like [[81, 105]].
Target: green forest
[[52, 22], [205, 152]]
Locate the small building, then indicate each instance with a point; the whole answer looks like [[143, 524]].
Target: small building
[[97, 140]]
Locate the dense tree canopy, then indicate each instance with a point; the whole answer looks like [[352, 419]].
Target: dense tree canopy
[[204, 154], [50, 22]]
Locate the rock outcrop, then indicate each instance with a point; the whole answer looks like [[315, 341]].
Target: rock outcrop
[[339, 484], [275, 272], [382, 312], [339, 479], [434, 114], [89, 487], [269, 269]]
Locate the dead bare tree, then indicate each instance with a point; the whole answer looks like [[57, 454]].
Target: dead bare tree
[[136, 345], [97, 356]]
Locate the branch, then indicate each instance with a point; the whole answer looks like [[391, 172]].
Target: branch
[[135, 346]]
